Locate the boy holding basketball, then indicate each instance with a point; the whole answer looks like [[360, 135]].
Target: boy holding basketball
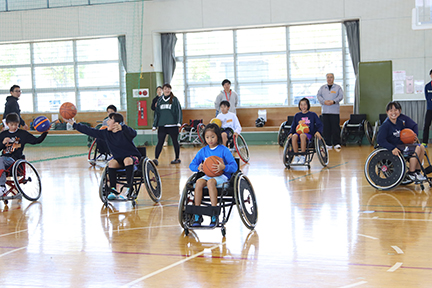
[[314, 124], [12, 144], [389, 137], [118, 138], [229, 121], [213, 139]]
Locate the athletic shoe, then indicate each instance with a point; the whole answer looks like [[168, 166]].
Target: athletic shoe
[[197, 220], [125, 191], [213, 222], [156, 162], [420, 177], [411, 176], [295, 160], [424, 144], [329, 147], [177, 161], [337, 146], [2, 189], [302, 159], [121, 197], [113, 194]]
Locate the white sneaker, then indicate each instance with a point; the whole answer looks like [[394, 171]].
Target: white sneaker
[[295, 160], [329, 147], [2, 190], [337, 146], [302, 159], [420, 177]]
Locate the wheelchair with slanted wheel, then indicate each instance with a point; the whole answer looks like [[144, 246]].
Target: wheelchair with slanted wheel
[[22, 179], [236, 143], [315, 145], [284, 130], [99, 152], [145, 172], [385, 171], [238, 191], [355, 129], [191, 134]]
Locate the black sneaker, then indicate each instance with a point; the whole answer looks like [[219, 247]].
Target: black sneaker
[[156, 162], [177, 161], [197, 220]]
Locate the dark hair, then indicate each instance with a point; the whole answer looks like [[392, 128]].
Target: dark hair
[[117, 117], [13, 88], [158, 88], [430, 72], [307, 102], [171, 94], [225, 102], [12, 118], [394, 104], [112, 107], [226, 81], [215, 128]]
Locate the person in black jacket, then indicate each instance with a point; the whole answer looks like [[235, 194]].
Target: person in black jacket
[[159, 92], [119, 139], [13, 106], [12, 142]]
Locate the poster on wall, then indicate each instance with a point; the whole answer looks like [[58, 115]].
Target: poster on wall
[[409, 84], [419, 86]]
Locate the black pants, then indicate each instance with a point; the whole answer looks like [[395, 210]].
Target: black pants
[[428, 120], [331, 129], [173, 132]]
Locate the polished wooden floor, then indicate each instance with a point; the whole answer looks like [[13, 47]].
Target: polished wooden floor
[[323, 227]]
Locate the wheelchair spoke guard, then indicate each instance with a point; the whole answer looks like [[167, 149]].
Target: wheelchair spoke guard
[[245, 201], [288, 153], [27, 180], [242, 148], [152, 180], [321, 150]]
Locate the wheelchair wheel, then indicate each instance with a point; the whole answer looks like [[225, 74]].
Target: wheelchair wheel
[[282, 135], [369, 132], [185, 198], [383, 170], [375, 133], [200, 131], [92, 153], [27, 180], [246, 201], [103, 186], [344, 133], [321, 150], [288, 153], [183, 134], [241, 148], [152, 180]]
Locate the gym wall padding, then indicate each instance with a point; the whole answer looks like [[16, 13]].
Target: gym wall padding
[[376, 88]]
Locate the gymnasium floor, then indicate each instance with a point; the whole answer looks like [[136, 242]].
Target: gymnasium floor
[[323, 227]]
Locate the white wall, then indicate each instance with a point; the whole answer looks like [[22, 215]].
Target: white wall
[[385, 25]]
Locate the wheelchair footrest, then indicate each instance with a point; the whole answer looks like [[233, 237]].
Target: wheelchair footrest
[[202, 210]]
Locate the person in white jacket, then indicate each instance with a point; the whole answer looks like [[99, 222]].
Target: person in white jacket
[[228, 95], [229, 121]]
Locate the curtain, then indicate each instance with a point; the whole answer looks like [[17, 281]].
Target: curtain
[[168, 41], [123, 56], [353, 37]]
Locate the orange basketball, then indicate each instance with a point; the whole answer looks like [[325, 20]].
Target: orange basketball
[[407, 136], [302, 128], [208, 166], [68, 110]]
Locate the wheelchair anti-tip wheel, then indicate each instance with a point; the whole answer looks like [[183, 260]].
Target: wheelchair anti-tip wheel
[[152, 180], [27, 180], [321, 150], [383, 170], [241, 148], [245, 200], [288, 153]]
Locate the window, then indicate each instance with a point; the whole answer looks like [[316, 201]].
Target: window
[[267, 66], [87, 73]]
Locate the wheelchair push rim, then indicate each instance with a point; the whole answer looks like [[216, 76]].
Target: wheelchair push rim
[[241, 148], [287, 155], [321, 150], [282, 135], [383, 170], [245, 201], [27, 180], [185, 198], [369, 132], [152, 180]]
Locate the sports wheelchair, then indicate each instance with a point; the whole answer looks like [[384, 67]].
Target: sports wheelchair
[[385, 171], [284, 130], [238, 191], [145, 172], [22, 179], [238, 144], [316, 145], [99, 151], [356, 128], [378, 123], [191, 133]]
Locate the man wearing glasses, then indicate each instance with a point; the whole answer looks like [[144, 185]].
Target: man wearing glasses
[[13, 106]]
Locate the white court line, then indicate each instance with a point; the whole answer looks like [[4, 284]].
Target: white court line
[[171, 266], [354, 284], [397, 249], [395, 219], [395, 267], [374, 238], [4, 254], [16, 232], [147, 227]]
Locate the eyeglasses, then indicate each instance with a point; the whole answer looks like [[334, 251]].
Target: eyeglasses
[[18, 91]]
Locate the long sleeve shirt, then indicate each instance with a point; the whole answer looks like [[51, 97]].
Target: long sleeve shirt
[[12, 105], [230, 120], [166, 114], [334, 94], [311, 119], [231, 97], [428, 95], [389, 132], [19, 139], [220, 151]]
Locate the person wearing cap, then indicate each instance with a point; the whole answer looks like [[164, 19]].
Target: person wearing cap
[[228, 95]]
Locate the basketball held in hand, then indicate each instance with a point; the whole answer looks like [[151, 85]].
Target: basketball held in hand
[[407, 136], [41, 124], [68, 110], [302, 128], [208, 168]]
